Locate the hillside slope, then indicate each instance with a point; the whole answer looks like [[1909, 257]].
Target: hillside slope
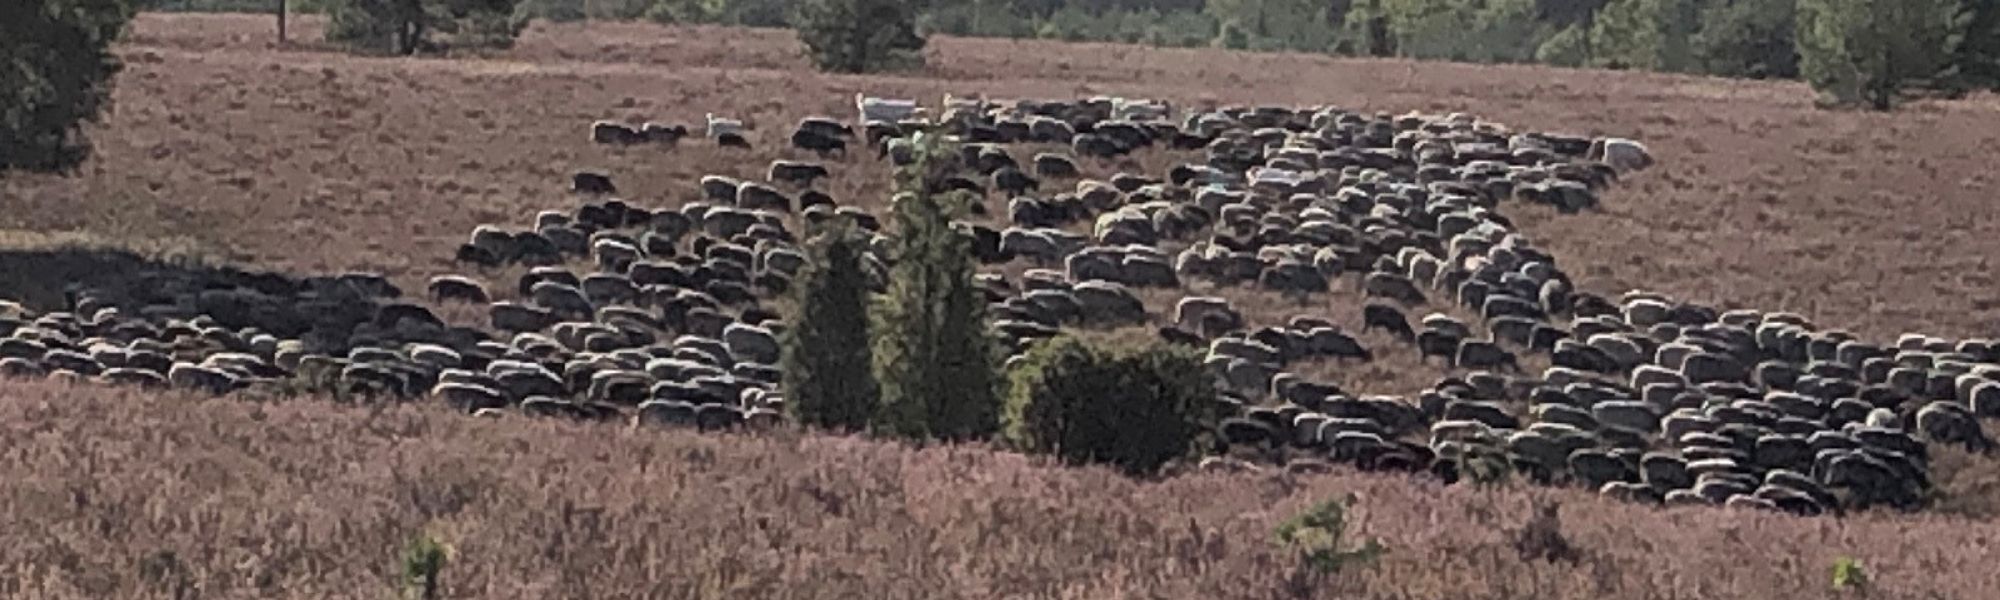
[[122, 494]]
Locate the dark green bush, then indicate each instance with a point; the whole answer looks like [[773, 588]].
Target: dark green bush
[[1136, 408]]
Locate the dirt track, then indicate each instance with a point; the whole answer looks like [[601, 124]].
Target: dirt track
[[320, 161]]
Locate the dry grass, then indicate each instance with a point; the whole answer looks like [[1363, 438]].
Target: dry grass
[[298, 159], [318, 161], [121, 494]]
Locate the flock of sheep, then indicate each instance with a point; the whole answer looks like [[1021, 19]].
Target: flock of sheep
[[662, 315]]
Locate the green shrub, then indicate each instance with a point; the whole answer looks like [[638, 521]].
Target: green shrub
[[423, 561], [55, 75], [1317, 535], [1849, 574], [1136, 408]]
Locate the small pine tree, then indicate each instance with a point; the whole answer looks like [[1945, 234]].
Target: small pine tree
[[934, 356], [859, 36], [1857, 51], [828, 382], [423, 561], [1133, 408], [55, 74], [1319, 533]]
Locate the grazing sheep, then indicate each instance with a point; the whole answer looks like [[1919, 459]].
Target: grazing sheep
[[607, 132], [1621, 154], [795, 173], [732, 140], [818, 143], [663, 134], [591, 182], [1055, 166], [887, 110], [1013, 182], [1484, 354], [1387, 318], [1432, 342], [1393, 286], [721, 126]]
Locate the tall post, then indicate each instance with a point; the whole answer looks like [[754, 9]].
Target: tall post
[[281, 22]]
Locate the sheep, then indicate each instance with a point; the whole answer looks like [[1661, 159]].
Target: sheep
[[663, 134], [1621, 154], [819, 143], [889, 110], [592, 182], [721, 126], [1392, 286], [795, 173], [607, 132], [1483, 354], [1432, 342], [1387, 318], [1055, 166], [1013, 182]]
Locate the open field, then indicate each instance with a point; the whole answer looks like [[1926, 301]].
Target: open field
[[318, 162], [303, 160]]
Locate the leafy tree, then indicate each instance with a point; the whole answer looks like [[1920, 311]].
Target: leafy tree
[[1564, 13], [828, 382], [410, 26], [1135, 408], [1507, 31], [1977, 61], [1278, 24], [857, 36], [55, 75], [1465, 30], [1431, 29], [1569, 47], [1856, 51], [1365, 29], [987, 18], [1654, 35], [934, 355], [1749, 38]]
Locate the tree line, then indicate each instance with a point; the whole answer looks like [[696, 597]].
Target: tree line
[[1857, 51]]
